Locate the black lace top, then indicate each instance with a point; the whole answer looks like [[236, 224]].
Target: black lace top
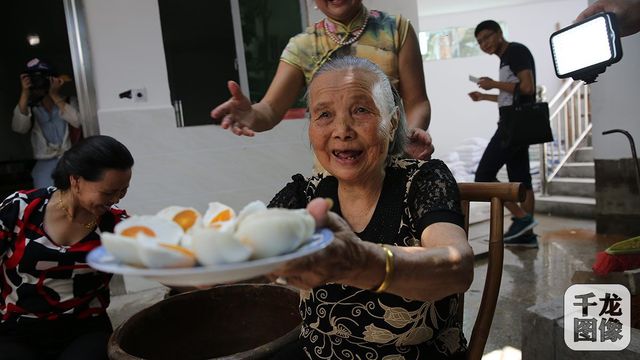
[[343, 322]]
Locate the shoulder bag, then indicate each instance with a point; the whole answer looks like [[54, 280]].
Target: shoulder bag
[[525, 123]]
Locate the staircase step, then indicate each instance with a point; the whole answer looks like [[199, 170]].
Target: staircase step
[[572, 206], [589, 140], [578, 170], [583, 154], [572, 186]]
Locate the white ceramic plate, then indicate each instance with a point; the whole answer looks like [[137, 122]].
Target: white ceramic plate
[[102, 260]]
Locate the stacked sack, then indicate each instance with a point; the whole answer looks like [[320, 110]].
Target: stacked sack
[[534, 169], [457, 167], [463, 160]]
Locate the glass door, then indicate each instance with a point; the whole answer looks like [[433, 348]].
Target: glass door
[[200, 52], [267, 26]]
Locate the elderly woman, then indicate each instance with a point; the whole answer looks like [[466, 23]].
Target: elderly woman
[[52, 304], [387, 285]]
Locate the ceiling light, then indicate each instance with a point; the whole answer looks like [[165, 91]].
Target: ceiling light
[[33, 39]]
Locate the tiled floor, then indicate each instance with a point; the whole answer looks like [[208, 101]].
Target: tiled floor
[[530, 276], [534, 276]]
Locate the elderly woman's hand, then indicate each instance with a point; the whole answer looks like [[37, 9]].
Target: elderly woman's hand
[[236, 113], [339, 261]]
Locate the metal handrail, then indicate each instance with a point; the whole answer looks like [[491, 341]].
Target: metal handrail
[[569, 153], [565, 99], [560, 93], [632, 144], [571, 120]]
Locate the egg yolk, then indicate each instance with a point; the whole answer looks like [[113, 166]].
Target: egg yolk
[[135, 230], [179, 249], [185, 219], [224, 215]]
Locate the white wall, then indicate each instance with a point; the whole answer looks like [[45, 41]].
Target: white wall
[[182, 166], [127, 52], [406, 8], [454, 115], [615, 103]]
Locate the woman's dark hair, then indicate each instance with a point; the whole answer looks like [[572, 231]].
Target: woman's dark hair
[[90, 158], [487, 25]]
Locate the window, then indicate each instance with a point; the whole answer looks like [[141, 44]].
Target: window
[[449, 43]]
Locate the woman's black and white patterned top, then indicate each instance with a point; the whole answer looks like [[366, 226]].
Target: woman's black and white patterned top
[[40, 279], [343, 322]]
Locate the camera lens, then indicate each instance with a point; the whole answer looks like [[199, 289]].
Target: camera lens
[[39, 82]]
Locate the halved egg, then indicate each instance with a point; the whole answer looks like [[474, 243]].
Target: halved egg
[[273, 232], [186, 238], [214, 247], [124, 243], [218, 216], [156, 255], [186, 217], [123, 248], [162, 230], [250, 208]]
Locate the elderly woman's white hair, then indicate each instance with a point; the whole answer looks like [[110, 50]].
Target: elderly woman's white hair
[[384, 94]]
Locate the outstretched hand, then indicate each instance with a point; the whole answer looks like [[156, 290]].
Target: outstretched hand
[[236, 113], [420, 144], [338, 261]]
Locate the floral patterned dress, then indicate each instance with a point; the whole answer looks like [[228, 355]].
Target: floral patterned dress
[[343, 322], [380, 42]]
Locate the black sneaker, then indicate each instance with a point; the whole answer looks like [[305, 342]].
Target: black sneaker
[[520, 226], [525, 240]]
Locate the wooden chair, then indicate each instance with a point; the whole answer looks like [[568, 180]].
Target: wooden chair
[[496, 194]]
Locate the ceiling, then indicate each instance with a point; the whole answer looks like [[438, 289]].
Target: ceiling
[[438, 7]]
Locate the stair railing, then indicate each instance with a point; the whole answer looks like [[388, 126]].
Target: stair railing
[[570, 117]]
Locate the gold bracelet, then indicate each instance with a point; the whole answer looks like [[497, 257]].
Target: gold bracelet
[[388, 268]]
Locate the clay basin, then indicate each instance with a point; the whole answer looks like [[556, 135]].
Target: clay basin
[[240, 321]]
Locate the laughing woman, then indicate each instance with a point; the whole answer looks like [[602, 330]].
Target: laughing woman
[[386, 287], [53, 306]]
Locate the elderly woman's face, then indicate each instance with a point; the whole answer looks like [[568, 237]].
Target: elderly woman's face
[[341, 10], [349, 136]]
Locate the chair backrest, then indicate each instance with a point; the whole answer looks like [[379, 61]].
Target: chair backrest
[[496, 194]]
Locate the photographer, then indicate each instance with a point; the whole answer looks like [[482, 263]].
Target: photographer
[[43, 110]]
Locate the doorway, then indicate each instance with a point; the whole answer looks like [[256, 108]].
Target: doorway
[[200, 50], [45, 22], [267, 26], [208, 43]]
